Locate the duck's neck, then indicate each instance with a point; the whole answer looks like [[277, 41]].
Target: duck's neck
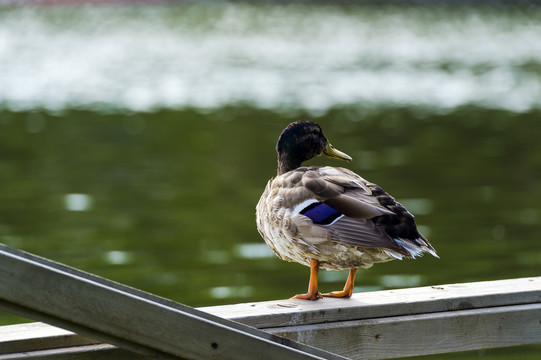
[[287, 163]]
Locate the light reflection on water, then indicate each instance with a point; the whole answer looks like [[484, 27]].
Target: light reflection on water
[[116, 257], [314, 57], [77, 202], [253, 251]]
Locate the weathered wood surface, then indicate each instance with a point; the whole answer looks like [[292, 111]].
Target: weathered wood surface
[[377, 304], [38, 336], [43, 341], [85, 352], [425, 334], [404, 322], [145, 324]]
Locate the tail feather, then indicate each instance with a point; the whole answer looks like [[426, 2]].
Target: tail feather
[[413, 249], [393, 254]]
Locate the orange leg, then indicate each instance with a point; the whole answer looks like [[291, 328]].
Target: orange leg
[[313, 293], [348, 288]]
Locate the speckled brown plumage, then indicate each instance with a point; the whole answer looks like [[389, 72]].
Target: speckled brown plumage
[[331, 217]]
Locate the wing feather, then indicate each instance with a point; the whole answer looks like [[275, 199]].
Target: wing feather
[[363, 233], [372, 218], [344, 190]]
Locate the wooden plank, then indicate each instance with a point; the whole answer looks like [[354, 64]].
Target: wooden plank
[[423, 334], [412, 335], [42, 341], [131, 319], [86, 352], [377, 304], [404, 322], [38, 336]]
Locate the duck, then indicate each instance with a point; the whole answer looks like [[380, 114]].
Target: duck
[[328, 217]]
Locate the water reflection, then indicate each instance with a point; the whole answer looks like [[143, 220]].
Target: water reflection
[[223, 292], [77, 202], [115, 257], [253, 251], [399, 280], [144, 57]]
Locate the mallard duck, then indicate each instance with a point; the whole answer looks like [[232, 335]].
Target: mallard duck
[[329, 217]]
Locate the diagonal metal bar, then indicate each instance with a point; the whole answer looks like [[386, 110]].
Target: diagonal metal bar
[[116, 314]]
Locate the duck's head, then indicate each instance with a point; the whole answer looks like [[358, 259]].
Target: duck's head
[[301, 141]]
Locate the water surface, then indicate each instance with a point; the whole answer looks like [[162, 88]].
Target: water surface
[[136, 141], [291, 56]]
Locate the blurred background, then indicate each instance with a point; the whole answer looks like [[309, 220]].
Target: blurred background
[[136, 138]]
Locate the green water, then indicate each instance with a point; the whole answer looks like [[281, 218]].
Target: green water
[[138, 145], [170, 195]]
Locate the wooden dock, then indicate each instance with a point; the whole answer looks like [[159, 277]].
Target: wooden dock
[[117, 322]]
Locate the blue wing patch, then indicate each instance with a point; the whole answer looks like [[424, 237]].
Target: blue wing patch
[[321, 213]]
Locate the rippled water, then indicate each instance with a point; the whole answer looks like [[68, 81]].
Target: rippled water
[[438, 105], [295, 56]]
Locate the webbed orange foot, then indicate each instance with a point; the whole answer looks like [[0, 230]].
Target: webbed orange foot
[[339, 294], [313, 293], [348, 288], [309, 296]]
